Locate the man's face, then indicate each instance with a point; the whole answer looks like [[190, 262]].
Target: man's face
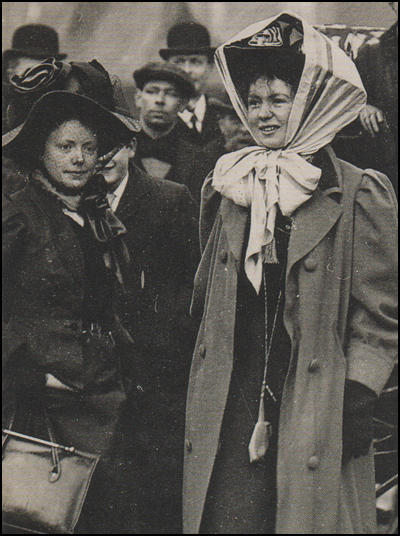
[[196, 66], [235, 134], [19, 65], [70, 156], [159, 102], [118, 167]]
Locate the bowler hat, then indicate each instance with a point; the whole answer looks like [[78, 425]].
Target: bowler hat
[[187, 38], [89, 79], [168, 72], [34, 41]]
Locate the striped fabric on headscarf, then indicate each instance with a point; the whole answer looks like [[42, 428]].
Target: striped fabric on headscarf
[[330, 95]]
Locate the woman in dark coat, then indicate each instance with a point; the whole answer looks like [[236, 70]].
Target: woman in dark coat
[[62, 343], [296, 291]]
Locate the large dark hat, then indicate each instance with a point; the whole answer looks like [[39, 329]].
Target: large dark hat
[[168, 72], [187, 38], [34, 41], [55, 88], [62, 104]]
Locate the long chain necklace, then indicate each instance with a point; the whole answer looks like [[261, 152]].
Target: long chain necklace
[[262, 432]]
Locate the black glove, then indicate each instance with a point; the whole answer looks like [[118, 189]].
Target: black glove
[[358, 412]]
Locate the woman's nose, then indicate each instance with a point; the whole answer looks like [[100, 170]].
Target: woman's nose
[[265, 111], [77, 156]]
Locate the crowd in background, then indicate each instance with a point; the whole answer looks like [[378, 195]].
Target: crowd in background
[[153, 186]]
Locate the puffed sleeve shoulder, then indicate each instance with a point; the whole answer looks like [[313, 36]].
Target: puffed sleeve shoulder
[[372, 346], [210, 201]]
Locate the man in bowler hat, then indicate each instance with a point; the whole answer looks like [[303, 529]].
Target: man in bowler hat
[[31, 43], [188, 46]]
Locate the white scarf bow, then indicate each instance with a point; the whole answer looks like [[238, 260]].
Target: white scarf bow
[[330, 95], [264, 179]]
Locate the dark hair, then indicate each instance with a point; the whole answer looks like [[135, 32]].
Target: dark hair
[[284, 65]]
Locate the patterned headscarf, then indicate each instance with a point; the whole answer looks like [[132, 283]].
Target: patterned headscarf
[[329, 96]]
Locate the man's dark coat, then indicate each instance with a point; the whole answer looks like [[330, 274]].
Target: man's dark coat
[[190, 162], [210, 129], [162, 238], [378, 68]]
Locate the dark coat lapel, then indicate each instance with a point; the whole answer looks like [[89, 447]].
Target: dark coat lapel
[[210, 124], [139, 184], [135, 203], [65, 240]]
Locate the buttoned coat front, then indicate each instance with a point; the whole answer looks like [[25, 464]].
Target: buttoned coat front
[[340, 315]]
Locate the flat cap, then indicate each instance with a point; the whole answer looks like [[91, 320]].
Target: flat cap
[[165, 71]]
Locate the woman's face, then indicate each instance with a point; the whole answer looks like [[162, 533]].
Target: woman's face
[[70, 155], [269, 104]]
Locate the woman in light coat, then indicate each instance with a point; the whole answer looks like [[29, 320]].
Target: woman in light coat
[[296, 291]]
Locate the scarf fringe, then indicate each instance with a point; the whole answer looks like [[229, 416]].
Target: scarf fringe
[[269, 253]]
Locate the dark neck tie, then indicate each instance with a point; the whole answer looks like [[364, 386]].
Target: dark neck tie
[[104, 225], [193, 121]]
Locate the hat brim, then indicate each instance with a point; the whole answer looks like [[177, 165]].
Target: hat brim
[[119, 129], [15, 52], [166, 53], [142, 76]]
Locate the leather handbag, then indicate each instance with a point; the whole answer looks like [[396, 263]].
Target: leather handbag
[[44, 484]]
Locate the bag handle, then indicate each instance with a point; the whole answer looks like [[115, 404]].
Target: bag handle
[[55, 471]]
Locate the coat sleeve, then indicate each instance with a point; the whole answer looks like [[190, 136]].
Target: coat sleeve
[[14, 239], [188, 230], [210, 202], [372, 345]]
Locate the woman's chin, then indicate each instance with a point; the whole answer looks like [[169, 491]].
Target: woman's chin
[[271, 142]]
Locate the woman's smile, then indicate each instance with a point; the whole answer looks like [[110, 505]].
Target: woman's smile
[[269, 105]]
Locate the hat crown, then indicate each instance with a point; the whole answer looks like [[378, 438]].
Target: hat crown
[[188, 35], [88, 79], [36, 38], [164, 71], [94, 82]]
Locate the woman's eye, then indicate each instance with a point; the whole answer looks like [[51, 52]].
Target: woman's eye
[[280, 100], [252, 102], [65, 146]]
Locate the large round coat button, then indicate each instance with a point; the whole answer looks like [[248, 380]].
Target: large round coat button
[[202, 351], [188, 445], [223, 256], [313, 365], [310, 264], [313, 463]]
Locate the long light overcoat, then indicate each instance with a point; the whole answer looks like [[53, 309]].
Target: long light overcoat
[[340, 315]]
